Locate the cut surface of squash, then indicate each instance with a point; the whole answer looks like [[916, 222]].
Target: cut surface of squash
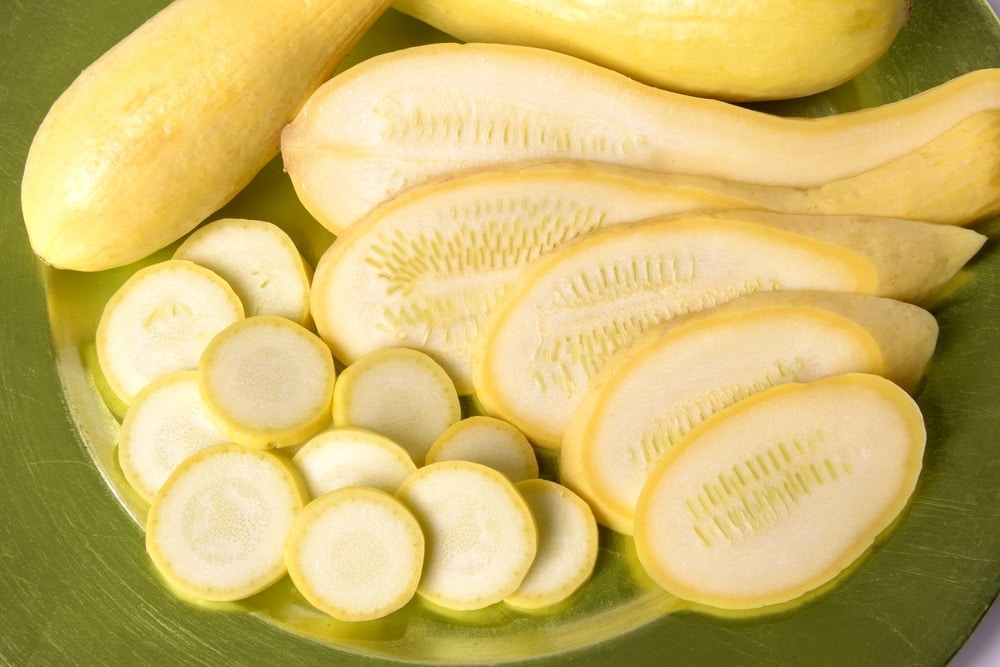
[[434, 109], [160, 321], [571, 309], [216, 529], [567, 545], [652, 392], [481, 535], [355, 553], [775, 496], [165, 424], [258, 260], [346, 456], [402, 394], [489, 441], [267, 382], [423, 268]]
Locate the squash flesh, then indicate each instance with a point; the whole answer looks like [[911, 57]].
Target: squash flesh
[[651, 393], [405, 273], [355, 553], [774, 497], [217, 527], [160, 321], [400, 393], [267, 382], [481, 535], [423, 269], [425, 111], [565, 315], [259, 261]]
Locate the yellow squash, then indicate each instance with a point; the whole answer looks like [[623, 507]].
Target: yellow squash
[[775, 496], [675, 375], [424, 268], [568, 311], [736, 50], [172, 122], [425, 111]]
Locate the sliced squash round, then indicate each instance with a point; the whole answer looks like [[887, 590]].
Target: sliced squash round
[[355, 553], [567, 545], [216, 529], [778, 494], [402, 394], [267, 382], [160, 321], [490, 441], [346, 456], [481, 535], [165, 424], [259, 260]]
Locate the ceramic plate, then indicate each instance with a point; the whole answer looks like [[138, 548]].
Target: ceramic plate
[[77, 587]]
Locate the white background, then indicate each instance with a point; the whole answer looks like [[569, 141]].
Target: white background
[[983, 649]]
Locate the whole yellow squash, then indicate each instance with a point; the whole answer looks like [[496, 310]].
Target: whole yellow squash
[[737, 50], [174, 120]]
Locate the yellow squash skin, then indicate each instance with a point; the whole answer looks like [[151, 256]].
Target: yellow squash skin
[[737, 50], [174, 120]]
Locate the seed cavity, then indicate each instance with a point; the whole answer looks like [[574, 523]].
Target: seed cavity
[[436, 119], [443, 281], [759, 493], [577, 334], [167, 314], [453, 318], [679, 419]]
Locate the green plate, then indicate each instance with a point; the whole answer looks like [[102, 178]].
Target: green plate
[[76, 585]]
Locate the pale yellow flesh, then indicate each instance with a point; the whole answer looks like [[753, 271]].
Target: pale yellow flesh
[[173, 121], [165, 424], [342, 457], [267, 382], [489, 441], [355, 553], [737, 50], [425, 111], [481, 535], [259, 261], [569, 311], [672, 377], [216, 529], [567, 545], [774, 497], [400, 393], [423, 268], [159, 321]]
